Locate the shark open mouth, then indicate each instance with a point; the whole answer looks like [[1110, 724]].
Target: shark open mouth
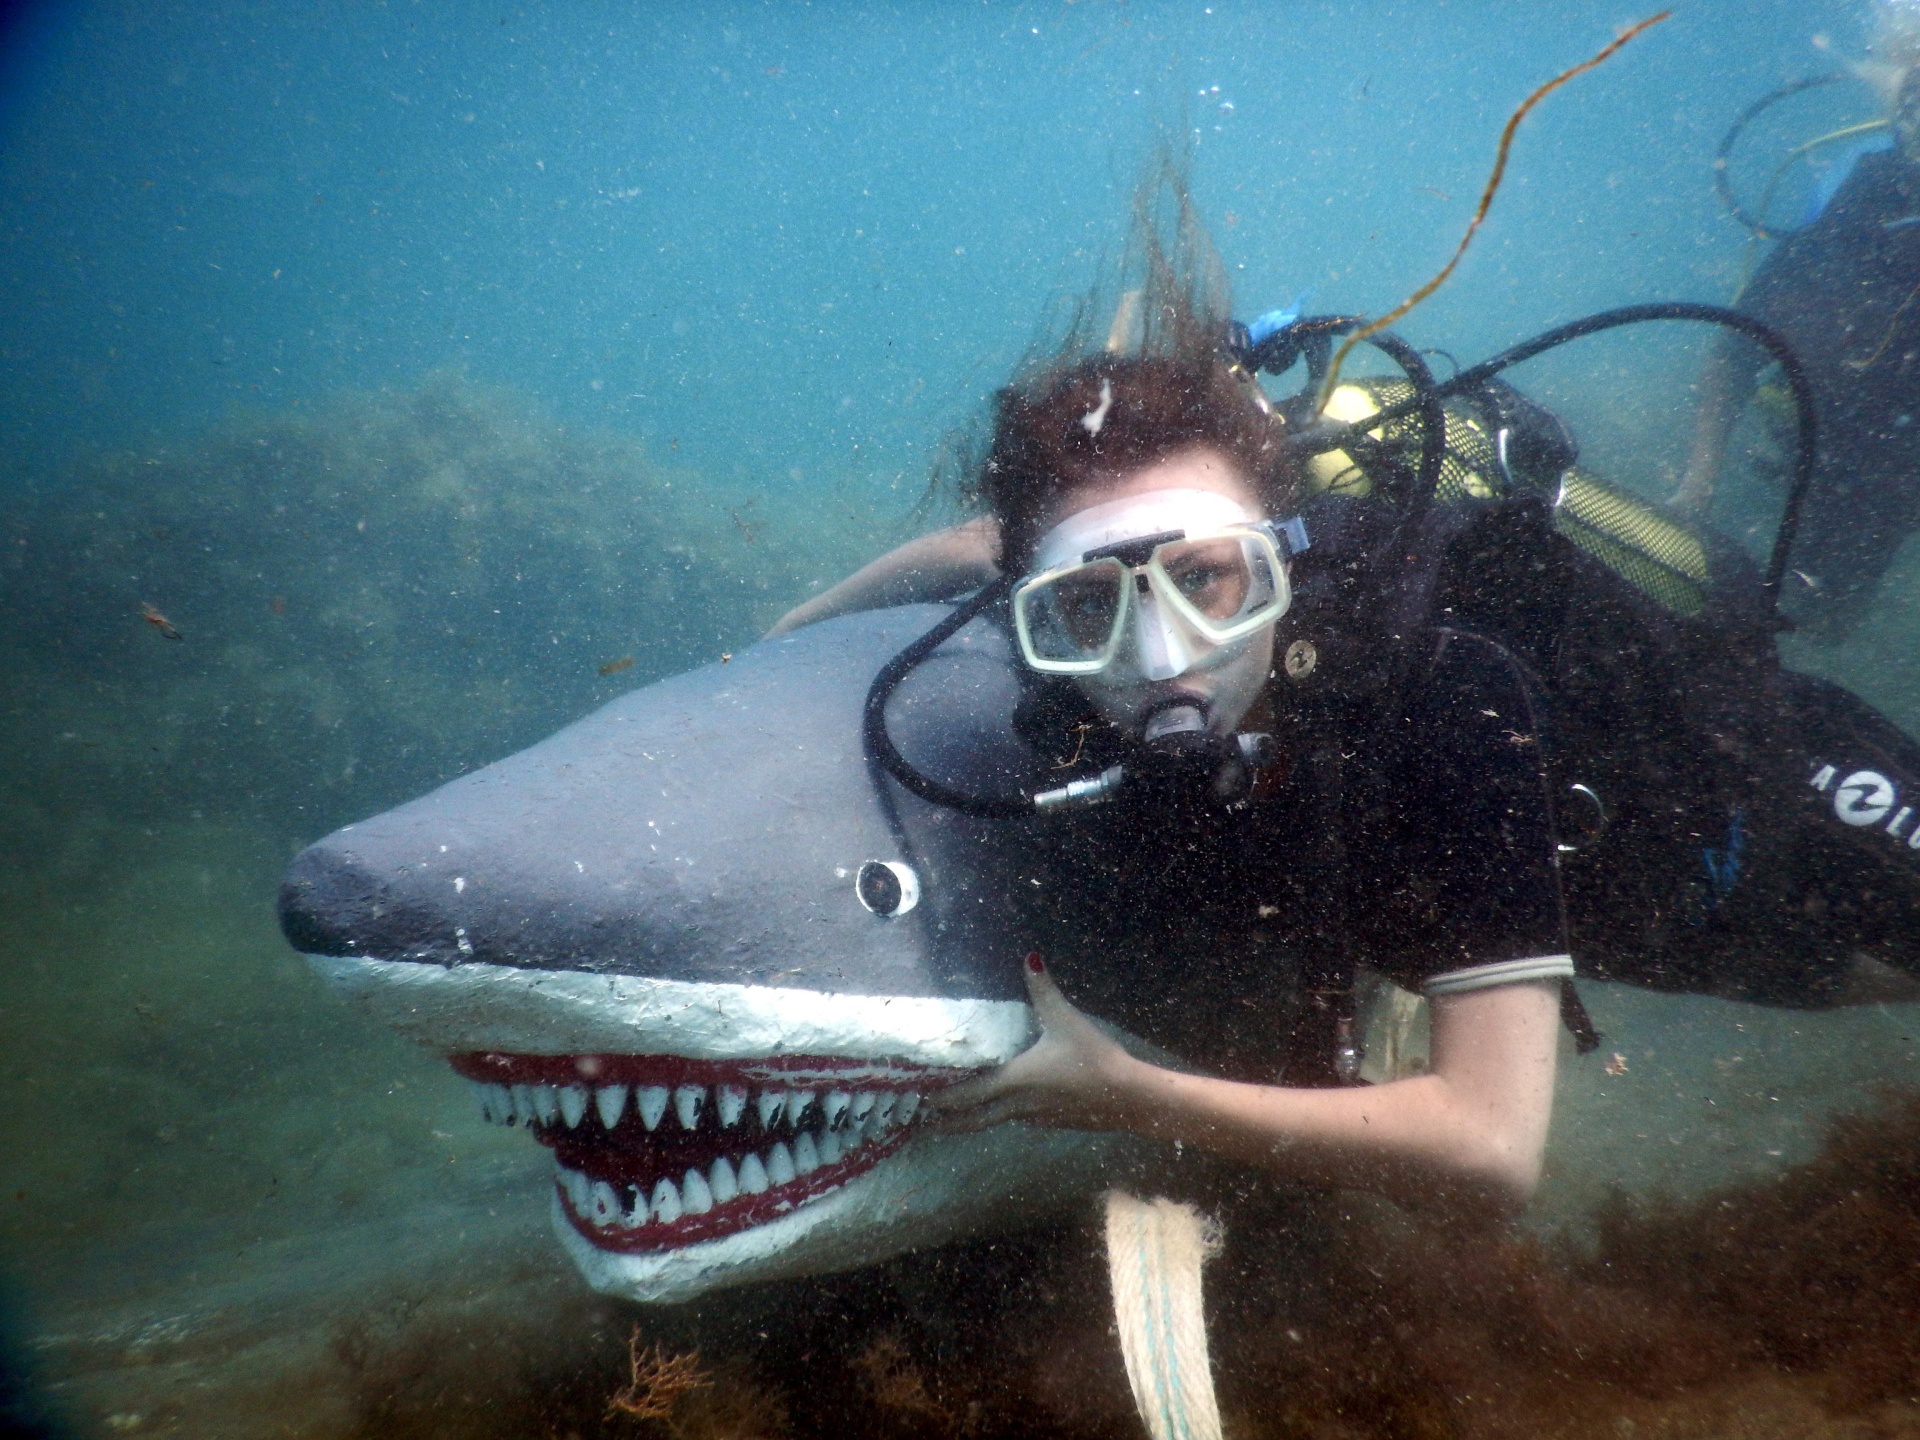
[[656, 1152], [667, 1102]]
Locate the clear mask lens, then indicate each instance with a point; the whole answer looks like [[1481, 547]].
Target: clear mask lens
[[1218, 582], [1071, 620], [1073, 617]]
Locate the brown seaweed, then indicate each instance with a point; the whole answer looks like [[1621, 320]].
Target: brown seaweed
[[1784, 1308]]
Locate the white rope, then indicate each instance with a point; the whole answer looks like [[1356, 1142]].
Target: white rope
[[1155, 1249]]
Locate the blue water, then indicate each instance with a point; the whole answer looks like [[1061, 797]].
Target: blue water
[[800, 240], [585, 339]]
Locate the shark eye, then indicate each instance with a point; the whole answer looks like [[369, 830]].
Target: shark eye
[[887, 887]]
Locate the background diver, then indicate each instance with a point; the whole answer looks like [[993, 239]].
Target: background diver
[[1841, 290], [1520, 723]]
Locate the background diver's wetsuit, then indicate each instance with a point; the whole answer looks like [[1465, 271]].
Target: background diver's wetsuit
[[1844, 292]]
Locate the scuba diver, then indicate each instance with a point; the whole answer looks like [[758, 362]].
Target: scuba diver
[[1384, 677], [1841, 290]]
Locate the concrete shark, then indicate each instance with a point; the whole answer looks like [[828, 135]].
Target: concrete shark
[[693, 946]]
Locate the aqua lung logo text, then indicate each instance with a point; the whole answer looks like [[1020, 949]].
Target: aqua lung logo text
[[1866, 797]]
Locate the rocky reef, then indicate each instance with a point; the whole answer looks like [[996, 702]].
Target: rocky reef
[[307, 615]]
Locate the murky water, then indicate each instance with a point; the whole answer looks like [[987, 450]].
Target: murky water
[[439, 374]]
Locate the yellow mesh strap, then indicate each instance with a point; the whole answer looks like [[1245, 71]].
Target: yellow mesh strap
[[1628, 536], [1635, 541], [1470, 466]]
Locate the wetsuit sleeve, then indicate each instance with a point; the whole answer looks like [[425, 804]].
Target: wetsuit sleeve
[[1457, 881]]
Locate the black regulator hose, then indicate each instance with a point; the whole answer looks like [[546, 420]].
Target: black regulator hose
[[1426, 402], [1723, 157], [1311, 338], [1765, 336], [879, 744]]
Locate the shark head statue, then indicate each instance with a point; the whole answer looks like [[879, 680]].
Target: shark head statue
[[694, 947]]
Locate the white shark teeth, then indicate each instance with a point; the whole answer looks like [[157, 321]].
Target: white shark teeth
[[651, 1101], [609, 1101], [496, 1102], [686, 1104], [604, 1205], [847, 1120], [546, 1103], [665, 1205], [694, 1194], [780, 1164], [753, 1176]]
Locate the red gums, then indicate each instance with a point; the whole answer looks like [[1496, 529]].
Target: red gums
[[736, 1215]]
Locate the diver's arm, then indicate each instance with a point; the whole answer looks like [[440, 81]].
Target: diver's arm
[[934, 567], [1472, 1131], [1724, 384]]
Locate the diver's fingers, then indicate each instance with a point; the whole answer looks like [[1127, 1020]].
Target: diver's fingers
[[984, 1116], [969, 1094], [1050, 1007]]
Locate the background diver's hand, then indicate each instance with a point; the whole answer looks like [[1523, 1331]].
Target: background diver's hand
[[1074, 1077], [1695, 493]]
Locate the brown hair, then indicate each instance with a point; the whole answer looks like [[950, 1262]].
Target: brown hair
[[1044, 443], [1168, 387]]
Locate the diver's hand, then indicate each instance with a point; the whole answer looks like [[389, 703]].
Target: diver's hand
[[1074, 1077], [939, 566], [807, 612]]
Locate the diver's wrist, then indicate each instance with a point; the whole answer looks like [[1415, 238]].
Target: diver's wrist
[[1146, 1097]]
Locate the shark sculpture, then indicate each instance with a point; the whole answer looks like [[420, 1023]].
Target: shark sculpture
[[696, 948]]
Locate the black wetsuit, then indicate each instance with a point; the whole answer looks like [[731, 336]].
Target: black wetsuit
[[1762, 827], [1742, 831], [1845, 293]]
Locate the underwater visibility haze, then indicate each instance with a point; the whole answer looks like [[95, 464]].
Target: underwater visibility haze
[[389, 386]]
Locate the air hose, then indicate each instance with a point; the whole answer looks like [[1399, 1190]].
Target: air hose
[[1767, 338], [1723, 157], [880, 747]]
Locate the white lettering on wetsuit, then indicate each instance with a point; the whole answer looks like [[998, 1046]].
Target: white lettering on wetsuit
[[1866, 797]]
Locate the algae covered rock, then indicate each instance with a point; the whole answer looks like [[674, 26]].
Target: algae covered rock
[[369, 597]]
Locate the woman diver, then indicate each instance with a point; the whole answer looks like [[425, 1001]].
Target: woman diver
[[1461, 771]]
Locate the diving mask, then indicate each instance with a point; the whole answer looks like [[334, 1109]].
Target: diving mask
[[1192, 570]]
